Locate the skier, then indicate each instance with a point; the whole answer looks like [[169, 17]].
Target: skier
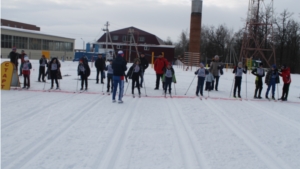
[[209, 79], [22, 56], [216, 68], [271, 79], [144, 64], [110, 72], [26, 66], [159, 66], [168, 78], [83, 71], [286, 77], [100, 65], [259, 73], [134, 73], [54, 72], [201, 72], [119, 67], [43, 64], [238, 71], [13, 55]]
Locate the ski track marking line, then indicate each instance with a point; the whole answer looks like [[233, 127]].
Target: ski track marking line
[[154, 97], [94, 152], [33, 113], [263, 152], [193, 139], [119, 150], [189, 156], [277, 116], [107, 156], [31, 150]]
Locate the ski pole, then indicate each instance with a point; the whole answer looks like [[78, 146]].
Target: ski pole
[[246, 85], [102, 87], [190, 85], [277, 92], [77, 84], [144, 84], [175, 88], [232, 86]]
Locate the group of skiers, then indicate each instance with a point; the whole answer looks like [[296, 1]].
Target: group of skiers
[[272, 78], [116, 73], [53, 70]]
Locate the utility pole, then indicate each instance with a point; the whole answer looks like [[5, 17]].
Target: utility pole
[[106, 30], [82, 44]]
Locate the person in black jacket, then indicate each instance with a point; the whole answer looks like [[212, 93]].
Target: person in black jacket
[[238, 71], [119, 67], [54, 72], [14, 56], [134, 73], [259, 73], [144, 64], [43, 64], [100, 66], [84, 72]]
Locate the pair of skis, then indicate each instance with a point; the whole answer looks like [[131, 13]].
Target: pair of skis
[[133, 96]]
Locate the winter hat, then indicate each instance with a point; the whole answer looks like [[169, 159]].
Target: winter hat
[[26, 58], [216, 57], [261, 64], [14, 48], [240, 63], [120, 52], [274, 66], [283, 66], [201, 64]]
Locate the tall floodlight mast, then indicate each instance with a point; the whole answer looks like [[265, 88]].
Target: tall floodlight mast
[[258, 37]]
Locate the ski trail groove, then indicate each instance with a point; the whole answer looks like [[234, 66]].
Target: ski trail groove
[[33, 113], [201, 160], [188, 146], [263, 152], [277, 116], [31, 150], [107, 156]]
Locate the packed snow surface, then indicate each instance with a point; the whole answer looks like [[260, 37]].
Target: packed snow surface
[[71, 130]]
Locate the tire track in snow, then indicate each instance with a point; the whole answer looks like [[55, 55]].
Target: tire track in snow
[[31, 150], [108, 157], [34, 112], [267, 155], [187, 140], [277, 116]]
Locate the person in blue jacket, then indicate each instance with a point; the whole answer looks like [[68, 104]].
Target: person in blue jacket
[[119, 67]]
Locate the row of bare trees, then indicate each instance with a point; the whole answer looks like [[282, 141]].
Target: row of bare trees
[[226, 43]]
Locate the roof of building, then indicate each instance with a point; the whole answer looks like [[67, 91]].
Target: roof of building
[[31, 32], [136, 30]]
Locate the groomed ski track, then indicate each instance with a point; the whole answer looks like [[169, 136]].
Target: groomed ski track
[[67, 130]]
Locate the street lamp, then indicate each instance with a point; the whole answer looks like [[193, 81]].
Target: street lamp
[[82, 44]]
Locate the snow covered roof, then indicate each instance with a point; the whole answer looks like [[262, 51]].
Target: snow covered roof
[[31, 32]]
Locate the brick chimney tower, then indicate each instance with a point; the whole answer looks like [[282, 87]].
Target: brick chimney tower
[[195, 27]]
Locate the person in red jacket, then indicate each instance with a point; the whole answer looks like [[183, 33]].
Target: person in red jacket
[[159, 65], [286, 77]]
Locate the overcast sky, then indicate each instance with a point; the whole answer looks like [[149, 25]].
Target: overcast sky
[[165, 18]]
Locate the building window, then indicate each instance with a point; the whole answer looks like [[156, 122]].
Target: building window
[[20, 42], [46, 45], [146, 48], [141, 39], [115, 37], [124, 38], [6, 41], [119, 47], [35, 44]]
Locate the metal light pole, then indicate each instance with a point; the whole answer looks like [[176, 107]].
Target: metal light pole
[[82, 44]]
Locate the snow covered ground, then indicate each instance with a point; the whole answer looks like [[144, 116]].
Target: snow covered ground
[[67, 130]]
